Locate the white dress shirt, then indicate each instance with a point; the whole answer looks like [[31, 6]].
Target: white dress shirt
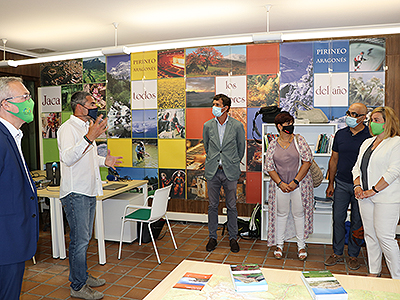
[[80, 171], [17, 134], [221, 132]]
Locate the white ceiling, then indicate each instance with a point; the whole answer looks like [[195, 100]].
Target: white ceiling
[[70, 25]]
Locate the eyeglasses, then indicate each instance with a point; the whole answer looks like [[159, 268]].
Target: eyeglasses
[[353, 114], [26, 97]]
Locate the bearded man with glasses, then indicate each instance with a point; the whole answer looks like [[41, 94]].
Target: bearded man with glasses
[[346, 145]]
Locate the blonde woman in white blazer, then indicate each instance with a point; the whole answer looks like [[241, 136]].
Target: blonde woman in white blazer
[[376, 176]]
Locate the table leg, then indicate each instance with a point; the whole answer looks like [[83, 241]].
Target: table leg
[[53, 221], [60, 232], [100, 232], [57, 229], [145, 192]]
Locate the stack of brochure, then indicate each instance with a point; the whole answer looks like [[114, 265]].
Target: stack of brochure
[[323, 285], [323, 204], [248, 278]]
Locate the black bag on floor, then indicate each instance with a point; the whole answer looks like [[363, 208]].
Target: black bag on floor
[[254, 227], [243, 226], [156, 229]]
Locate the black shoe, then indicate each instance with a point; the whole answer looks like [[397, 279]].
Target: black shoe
[[234, 246], [211, 245]]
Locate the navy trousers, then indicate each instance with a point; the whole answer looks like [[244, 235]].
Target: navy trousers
[[343, 196], [11, 280]]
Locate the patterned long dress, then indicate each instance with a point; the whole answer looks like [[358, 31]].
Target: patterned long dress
[[306, 189]]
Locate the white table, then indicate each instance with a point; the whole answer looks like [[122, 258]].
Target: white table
[[57, 222], [271, 275]]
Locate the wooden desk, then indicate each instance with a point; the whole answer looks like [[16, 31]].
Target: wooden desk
[[271, 275], [57, 222]]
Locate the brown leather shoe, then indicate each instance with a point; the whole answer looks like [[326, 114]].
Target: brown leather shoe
[[333, 259], [353, 263]]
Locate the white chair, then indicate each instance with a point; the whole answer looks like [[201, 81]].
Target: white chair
[[149, 214]]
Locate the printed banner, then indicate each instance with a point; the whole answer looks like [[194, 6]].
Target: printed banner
[[331, 56], [50, 98], [331, 89], [234, 87], [144, 65], [144, 94]]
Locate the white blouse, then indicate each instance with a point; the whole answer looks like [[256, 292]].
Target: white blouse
[[384, 162]]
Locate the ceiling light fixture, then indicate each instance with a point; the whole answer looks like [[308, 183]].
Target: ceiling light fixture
[[267, 37], [216, 41], [190, 43], [66, 56], [8, 63], [4, 48], [339, 32], [115, 50], [4, 62]]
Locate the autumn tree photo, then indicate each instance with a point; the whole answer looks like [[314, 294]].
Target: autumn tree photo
[[201, 59]]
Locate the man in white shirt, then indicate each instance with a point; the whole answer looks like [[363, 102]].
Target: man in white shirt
[[80, 184], [19, 226]]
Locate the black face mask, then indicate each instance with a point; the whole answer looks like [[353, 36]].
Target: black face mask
[[92, 112], [288, 129]]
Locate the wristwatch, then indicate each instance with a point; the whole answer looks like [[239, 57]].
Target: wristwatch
[[296, 181], [374, 189]]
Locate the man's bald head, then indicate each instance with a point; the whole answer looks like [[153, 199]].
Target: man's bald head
[[359, 108]]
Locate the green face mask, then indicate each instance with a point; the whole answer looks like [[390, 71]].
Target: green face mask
[[25, 110], [377, 128]]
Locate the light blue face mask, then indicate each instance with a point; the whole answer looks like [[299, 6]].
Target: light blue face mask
[[351, 122], [217, 111]]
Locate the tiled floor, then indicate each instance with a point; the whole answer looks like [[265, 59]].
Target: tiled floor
[[138, 272]]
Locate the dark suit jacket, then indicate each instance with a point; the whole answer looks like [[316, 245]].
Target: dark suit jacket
[[231, 151], [19, 226]]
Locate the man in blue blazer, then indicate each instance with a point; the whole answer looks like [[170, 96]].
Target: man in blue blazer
[[19, 227], [224, 143]]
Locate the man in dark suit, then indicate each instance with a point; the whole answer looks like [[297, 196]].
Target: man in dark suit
[[224, 143], [19, 227]]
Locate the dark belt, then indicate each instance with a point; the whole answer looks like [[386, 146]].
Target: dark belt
[[220, 167]]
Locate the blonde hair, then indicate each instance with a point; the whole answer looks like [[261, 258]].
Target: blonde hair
[[392, 124]]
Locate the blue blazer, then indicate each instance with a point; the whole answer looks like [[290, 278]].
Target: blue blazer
[[230, 153], [19, 226]]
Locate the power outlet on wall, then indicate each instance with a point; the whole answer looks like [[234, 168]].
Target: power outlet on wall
[[224, 211]]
